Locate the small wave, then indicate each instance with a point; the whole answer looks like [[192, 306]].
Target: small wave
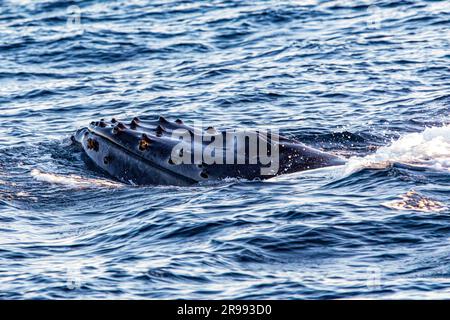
[[73, 181], [430, 148]]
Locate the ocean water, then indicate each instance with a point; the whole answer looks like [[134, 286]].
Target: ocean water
[[367, 80]]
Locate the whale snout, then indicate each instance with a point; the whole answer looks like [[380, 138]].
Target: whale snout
[[78, 135]]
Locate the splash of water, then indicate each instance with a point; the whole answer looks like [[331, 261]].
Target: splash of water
[[430, 148]]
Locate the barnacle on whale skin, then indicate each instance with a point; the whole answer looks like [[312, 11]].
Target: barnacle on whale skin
[[92, 144]]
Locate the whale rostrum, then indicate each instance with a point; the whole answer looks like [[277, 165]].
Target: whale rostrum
[[163, 152]]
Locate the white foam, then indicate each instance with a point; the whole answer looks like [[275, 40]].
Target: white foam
[[413, 200], [430, 148], [72, 180]]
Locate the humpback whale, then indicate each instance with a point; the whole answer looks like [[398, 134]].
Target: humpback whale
[[163, 152]]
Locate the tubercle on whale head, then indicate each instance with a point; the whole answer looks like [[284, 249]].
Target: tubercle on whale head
[[92, 144], [144, 143], [159, 131], [134, 123], [119, 127], [162, 120]]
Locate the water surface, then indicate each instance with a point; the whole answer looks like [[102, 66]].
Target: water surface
[[368, 80]]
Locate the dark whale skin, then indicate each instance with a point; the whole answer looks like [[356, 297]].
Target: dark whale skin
[[139, 152]]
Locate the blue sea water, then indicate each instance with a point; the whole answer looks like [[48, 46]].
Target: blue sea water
[[367, 80]]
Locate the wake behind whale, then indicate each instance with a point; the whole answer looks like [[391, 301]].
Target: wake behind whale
[[429, 148]]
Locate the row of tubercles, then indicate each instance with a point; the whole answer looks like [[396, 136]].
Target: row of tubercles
[[133, 124]]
